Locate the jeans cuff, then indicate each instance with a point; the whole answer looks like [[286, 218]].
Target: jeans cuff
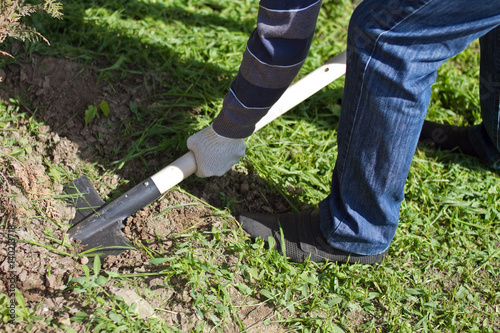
[[327, 225]]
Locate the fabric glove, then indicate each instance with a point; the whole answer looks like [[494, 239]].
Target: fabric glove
[[214, 154]]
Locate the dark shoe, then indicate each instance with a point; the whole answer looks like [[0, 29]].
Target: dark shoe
[[302, 237], [447, 137]]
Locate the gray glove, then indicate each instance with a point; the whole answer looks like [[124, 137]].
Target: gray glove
[[214, 154]]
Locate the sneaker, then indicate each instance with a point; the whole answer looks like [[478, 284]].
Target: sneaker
[[302, 238]]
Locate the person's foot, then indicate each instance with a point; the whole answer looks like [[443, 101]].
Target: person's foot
[[302, 237], [447, 137]]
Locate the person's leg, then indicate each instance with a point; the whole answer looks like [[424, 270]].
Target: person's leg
[[394, 50], [486, 136], [481, 141]]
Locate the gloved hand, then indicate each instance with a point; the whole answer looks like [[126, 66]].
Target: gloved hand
[[214, 154]]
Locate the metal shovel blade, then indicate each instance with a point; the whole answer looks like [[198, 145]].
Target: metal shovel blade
[[87, 202]]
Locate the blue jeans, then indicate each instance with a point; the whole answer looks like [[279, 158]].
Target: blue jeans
[[394, 50]]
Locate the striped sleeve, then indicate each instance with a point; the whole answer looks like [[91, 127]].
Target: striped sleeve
[[274, 55]]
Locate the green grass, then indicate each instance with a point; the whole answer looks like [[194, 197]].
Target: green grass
[[442, 271]]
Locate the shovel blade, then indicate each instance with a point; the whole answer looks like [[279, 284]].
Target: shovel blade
[[111, 241], [84, 197]]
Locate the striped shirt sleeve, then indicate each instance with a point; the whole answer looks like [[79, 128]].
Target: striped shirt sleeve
[[274, 55]]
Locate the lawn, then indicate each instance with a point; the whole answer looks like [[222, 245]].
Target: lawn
[[116, 94]]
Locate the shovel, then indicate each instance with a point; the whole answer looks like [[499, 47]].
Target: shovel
[[98, 225]]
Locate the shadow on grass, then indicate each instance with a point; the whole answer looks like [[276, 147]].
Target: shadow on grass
[[155, 91], [158, 94]]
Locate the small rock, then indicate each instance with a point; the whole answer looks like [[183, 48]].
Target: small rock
[[23, 234], [5, 266], [115, 180], [22, 276], [56, 138], [46, 83], [244, 187], [44, 129], [15, 135], [64, 321], [58, 188], [42, 137], [50, 281], [23, 77], [144, 309], [84, 260]]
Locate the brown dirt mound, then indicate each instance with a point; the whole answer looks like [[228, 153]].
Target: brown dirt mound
[[57, 92]]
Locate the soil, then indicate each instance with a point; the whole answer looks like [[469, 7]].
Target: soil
[[57, 92]]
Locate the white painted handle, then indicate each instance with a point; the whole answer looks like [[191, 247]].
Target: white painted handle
[[175, 172], [334, 68]]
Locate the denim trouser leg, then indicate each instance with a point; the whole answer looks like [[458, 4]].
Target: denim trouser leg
[[393, 53], [486, 137]]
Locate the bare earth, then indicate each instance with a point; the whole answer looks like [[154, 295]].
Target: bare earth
[[58, 92]]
